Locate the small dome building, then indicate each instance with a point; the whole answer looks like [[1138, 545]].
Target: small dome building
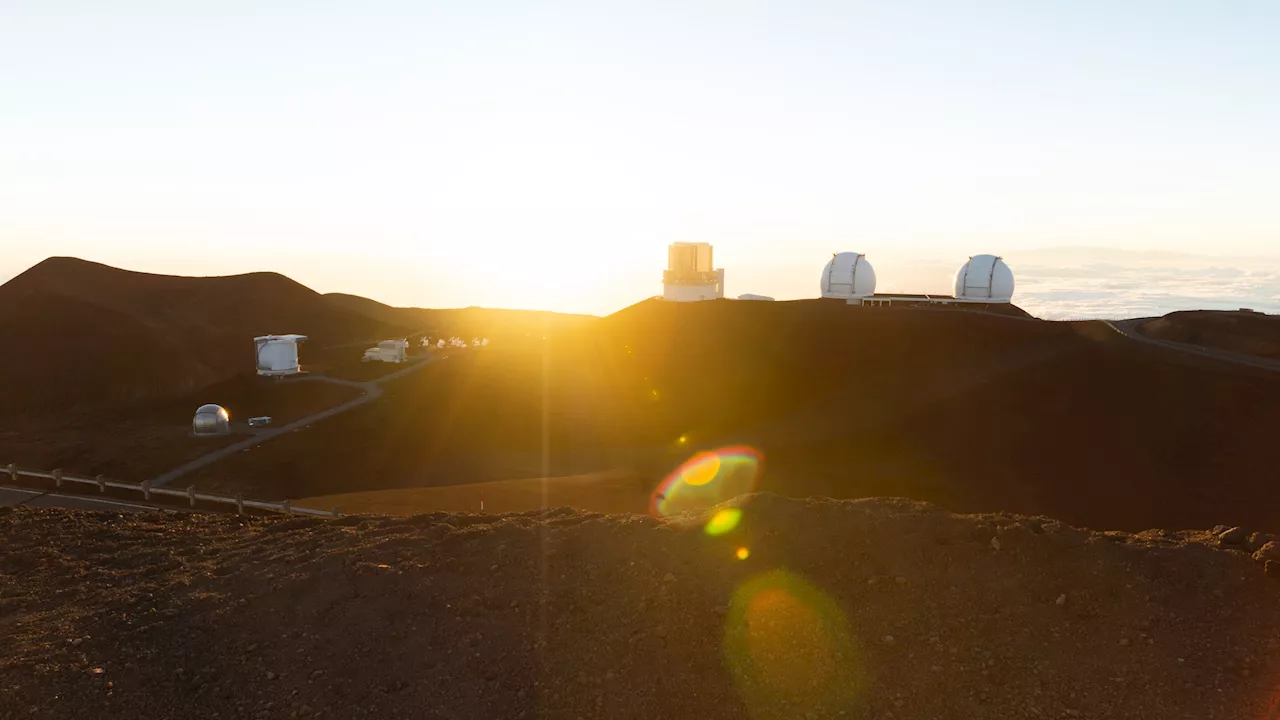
[[753, 296], [985, 278], [848, 275], [211, 420]]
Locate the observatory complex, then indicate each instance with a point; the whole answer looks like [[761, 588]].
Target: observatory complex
[[691, 274], [278, 354], [983, 280]]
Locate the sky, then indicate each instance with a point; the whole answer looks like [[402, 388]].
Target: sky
[[542, 155]]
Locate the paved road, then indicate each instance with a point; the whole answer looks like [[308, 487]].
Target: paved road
[[372, 392], [1129, 328], [34, 498]]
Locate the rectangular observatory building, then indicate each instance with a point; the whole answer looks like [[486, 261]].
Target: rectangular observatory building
[[691, 274]]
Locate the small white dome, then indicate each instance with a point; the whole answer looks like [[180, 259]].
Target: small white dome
[[985, 277], [211, 420], [848, 275], [752, 296]]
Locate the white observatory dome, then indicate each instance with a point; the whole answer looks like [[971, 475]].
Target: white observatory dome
[[211, 420], [848, 275], [753, 296], [985, 277]]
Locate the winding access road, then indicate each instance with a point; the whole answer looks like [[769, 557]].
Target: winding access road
[[371, 391], [1129, 328]]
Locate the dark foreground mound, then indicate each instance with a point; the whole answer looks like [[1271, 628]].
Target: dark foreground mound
[[866, 609]]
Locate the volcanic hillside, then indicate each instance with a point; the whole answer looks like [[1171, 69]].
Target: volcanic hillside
[[466, 323], [79, 333], [805, 609], [1250, 333], [972, 411]]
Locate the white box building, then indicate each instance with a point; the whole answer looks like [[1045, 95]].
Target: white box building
[[392, 351], [691, 274], [278, 354]]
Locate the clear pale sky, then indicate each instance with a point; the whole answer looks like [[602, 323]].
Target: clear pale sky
[[544, 154]]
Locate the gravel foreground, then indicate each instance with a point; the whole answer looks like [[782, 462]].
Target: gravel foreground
[[851, 609]]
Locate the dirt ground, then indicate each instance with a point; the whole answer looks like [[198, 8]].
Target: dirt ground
[[840, 609], [615, 492]]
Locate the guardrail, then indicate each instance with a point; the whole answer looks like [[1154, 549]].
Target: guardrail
[[59, 478]]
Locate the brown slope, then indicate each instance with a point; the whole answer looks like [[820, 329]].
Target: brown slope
[[96, 335], [467, 323], [1249, 333], [61, 351], [973, 411], [858, 610], [1108, 435], [145, 439]]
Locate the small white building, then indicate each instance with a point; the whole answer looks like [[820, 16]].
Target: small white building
[[278, 354], [752, 296], [691, 274], [392, 351]]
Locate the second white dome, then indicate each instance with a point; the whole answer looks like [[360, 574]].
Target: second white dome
[[985, 277], [848, 275]]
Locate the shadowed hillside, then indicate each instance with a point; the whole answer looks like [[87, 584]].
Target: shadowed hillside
[[493, 323], [976, 412], [149, 438], [1249, 333], [79, 333]]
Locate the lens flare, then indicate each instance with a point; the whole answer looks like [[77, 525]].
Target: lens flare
[[703, 472], [725, 520], [790, 649], [743, 553], [708, 479]]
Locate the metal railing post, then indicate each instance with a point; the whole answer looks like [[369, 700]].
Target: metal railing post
[[191, 494], [13, 472], [285, 506], [57, 477], [146, 489], [102, 484], [336, 513], [239, 503]]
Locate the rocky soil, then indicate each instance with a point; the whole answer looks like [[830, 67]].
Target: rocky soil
[[804, 609]]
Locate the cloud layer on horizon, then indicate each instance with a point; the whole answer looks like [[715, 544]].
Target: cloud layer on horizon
[[1142, 289]]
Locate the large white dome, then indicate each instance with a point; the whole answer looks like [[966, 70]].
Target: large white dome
[[848, 275], [985, 277]]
